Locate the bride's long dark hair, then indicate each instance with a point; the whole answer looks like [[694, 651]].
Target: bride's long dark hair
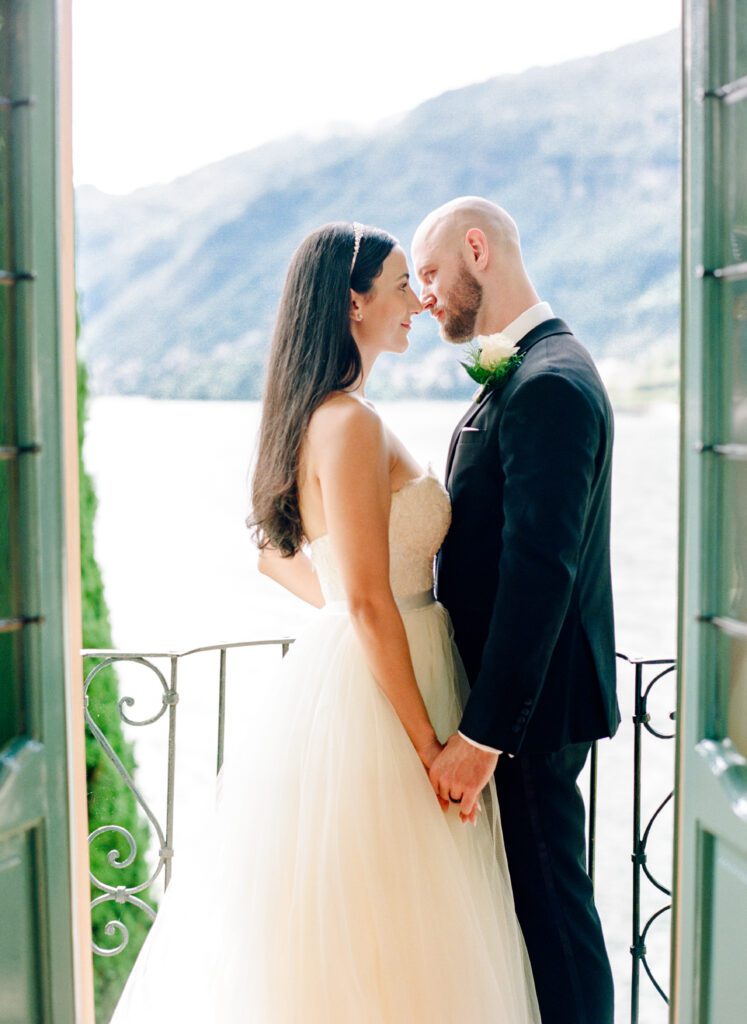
[[312, 354]]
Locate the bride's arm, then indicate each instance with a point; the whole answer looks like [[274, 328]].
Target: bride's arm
[[351, 459], [295, 574]]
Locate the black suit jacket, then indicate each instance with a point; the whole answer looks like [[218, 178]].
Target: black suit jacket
[[525, 569]]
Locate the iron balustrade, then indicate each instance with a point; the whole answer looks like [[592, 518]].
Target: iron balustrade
[[169, 701], [648, 673]]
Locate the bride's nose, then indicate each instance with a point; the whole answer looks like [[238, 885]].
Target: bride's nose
[[417, 306]]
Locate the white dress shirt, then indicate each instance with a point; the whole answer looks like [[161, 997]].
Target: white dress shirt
[[527, 321], [516, 330]]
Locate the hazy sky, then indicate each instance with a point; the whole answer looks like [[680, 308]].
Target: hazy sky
[[165, 86]]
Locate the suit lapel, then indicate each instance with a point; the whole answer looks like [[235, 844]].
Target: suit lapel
[[544, 330], [553, 326]]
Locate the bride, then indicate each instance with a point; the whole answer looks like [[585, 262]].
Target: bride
[[334, 885]]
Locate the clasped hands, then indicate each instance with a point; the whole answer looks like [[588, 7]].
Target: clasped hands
[[458, 773]]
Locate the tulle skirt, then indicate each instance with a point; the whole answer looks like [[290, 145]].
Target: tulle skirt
[[330, 887]]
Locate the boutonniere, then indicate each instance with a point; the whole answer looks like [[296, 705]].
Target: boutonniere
[[491, 359]]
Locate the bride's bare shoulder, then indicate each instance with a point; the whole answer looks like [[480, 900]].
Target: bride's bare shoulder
[[344, 419]]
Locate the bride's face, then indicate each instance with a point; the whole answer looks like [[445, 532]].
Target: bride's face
[[386, 311]]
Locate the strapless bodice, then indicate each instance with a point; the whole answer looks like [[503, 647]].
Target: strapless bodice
[[419, 518]]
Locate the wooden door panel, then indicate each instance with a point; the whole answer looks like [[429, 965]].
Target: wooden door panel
[[42, 882], [711, 888], [20, 964], [726, 1001]]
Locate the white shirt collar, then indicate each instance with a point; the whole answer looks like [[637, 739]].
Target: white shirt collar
[[527, 321]]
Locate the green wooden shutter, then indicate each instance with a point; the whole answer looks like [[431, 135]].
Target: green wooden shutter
[[711, 891], [39, 934]]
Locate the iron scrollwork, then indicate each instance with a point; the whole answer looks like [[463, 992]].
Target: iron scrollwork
[[121, 893], [642, 721]]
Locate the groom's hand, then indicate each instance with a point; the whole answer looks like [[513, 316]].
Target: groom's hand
[[462, 770]]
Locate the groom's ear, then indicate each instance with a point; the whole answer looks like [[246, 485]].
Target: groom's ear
[[477, 249]]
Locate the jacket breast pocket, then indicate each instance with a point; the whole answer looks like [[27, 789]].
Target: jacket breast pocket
[[470, 435], [469, 452]]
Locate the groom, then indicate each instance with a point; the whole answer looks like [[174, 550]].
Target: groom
[[525, 576]]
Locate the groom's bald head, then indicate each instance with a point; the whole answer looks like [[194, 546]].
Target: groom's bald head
[[467, 254], [450, 224]]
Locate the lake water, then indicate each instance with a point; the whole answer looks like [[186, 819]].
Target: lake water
[[180, 572]]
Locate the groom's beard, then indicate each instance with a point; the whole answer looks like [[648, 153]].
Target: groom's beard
[[461, 309]]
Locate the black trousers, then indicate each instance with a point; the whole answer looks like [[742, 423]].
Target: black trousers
[[542, 814]]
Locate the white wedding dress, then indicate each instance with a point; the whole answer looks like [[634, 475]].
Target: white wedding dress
[[331, 888]]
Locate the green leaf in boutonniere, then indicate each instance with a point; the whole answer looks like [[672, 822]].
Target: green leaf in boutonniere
[[491, 359]]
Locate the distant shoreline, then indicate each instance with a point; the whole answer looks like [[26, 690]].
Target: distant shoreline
[[633, 400]]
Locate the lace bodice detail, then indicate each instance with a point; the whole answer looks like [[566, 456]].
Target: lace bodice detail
[[420, 516]]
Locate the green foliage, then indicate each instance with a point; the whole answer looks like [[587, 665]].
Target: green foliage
[[493, 377], [109, 800]]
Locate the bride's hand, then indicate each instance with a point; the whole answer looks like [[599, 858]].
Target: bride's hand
[[428, 753]]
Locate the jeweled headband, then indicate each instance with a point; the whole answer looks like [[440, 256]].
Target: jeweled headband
[[358, 229]]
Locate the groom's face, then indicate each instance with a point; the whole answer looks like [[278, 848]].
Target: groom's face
[[449, 292]]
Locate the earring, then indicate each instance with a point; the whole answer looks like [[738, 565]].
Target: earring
[[359, 317]]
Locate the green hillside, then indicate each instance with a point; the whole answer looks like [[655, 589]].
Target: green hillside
[[179, 282]]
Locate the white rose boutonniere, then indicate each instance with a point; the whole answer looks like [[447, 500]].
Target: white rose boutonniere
[[491, 359]]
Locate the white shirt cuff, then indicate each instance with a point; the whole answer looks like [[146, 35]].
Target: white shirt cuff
[[480, 746]]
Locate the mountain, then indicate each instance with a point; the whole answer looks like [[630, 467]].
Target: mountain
[[179, 283]]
